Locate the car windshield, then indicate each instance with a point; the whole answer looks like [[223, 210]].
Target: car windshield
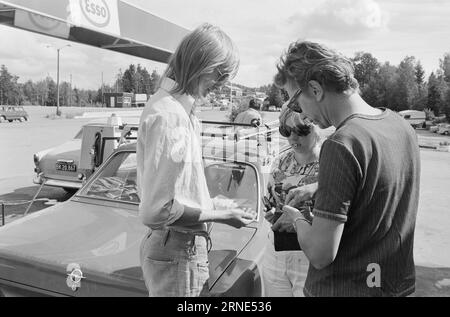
[[117, 181], [230, 184]]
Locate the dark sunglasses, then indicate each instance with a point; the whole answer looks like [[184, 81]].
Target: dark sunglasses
[[221, 79], [293, 104], [286, 131]]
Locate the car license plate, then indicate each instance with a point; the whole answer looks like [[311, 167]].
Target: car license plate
[[66, 167]]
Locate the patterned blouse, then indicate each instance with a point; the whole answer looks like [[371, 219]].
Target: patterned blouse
[[287, 173]]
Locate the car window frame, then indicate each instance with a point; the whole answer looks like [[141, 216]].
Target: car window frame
[[95, 175], [102, 167]]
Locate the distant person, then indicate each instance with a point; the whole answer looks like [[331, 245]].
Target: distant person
[[175, 201], [361, 239], [250, 116]]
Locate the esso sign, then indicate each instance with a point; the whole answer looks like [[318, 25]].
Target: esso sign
[[96, 12]]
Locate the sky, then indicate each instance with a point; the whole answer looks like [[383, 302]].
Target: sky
[[262, 30]]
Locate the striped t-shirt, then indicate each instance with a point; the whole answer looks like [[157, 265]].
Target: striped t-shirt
[[369, 180]]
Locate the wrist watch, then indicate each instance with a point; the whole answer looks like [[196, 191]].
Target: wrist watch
[[303, 219]]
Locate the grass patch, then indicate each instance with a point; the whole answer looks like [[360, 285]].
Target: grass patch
[[73, 115], [53, 116]]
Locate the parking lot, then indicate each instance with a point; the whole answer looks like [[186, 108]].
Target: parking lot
[[20, 140]]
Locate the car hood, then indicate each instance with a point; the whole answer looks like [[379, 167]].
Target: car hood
[[102, 238], [103, 241]]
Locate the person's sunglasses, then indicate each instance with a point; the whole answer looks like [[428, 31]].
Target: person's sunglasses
[[286, 130], [293, 103], [221, 79]]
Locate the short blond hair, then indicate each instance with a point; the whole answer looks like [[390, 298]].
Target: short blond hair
[[202, 51]]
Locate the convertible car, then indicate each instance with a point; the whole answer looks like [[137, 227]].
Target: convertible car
[[89, 245]]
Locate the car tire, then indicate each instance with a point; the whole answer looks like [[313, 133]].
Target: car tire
[[445, 133], [10, 120], [25, 119], [2, 119]]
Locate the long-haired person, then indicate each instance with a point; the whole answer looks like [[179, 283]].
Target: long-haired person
[[175, 202]]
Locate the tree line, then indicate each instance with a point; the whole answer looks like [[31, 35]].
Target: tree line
[[399, 87], [135, 79]]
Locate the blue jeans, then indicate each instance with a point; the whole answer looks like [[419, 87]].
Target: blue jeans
[[175, 264]]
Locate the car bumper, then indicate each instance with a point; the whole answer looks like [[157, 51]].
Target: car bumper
[[57, 182]]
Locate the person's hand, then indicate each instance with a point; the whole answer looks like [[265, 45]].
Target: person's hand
[[297, 195], [294, 214], [291, 213], [237, 217], [270, 215], [275, 195], [284, 224]]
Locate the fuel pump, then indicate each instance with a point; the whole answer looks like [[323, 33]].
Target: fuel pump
[[98, 143]]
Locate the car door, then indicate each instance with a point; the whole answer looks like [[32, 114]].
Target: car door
[[235, 184]]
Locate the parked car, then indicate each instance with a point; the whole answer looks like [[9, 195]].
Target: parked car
[[69, 164], [89, 245], [434, 128], [11, 113], [444, 129]]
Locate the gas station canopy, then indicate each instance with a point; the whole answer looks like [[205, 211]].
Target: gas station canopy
[[110, 24]]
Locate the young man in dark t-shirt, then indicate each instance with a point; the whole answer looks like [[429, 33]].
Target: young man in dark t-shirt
[[361, 240]]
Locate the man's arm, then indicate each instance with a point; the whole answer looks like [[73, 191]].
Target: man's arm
[[339, 175], [319, 241]]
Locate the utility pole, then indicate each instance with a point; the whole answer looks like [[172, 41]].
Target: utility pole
[[57, 86], [103, 100], [58, 113], [70, 92]]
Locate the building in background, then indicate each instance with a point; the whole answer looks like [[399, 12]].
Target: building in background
[[139, 100], [118, 100], [236, 92]]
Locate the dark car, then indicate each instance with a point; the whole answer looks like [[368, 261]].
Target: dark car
[[89, 245], [11, 113]]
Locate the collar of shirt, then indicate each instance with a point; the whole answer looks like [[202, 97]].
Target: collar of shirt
[[187, 101]]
